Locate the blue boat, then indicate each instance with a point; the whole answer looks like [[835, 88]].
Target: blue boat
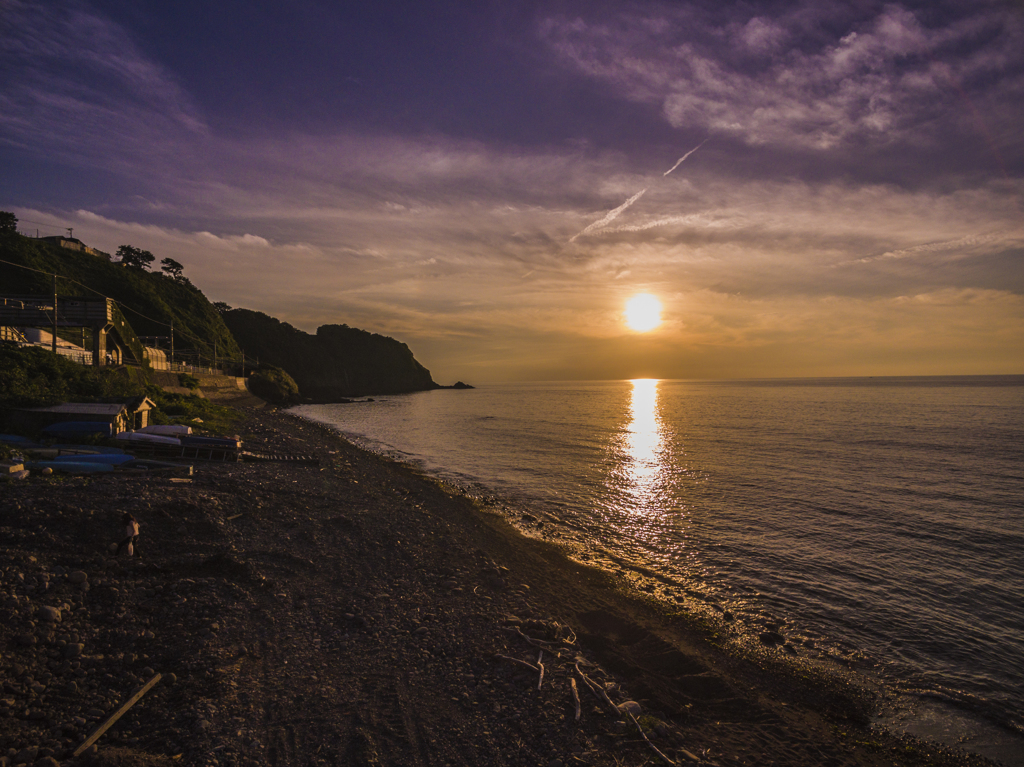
[[89, 448], [69, 467], [110, 459], [82, 428]]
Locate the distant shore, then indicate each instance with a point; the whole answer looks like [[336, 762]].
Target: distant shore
[[358, 613]]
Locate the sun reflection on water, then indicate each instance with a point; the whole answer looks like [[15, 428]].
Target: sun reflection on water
[[644, 443]]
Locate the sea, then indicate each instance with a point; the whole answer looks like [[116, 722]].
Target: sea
[[877, 523]]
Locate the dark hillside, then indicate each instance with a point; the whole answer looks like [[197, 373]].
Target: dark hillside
[[197, 325], [338, 361]]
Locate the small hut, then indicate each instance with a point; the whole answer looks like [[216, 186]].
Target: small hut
[[122, 416]]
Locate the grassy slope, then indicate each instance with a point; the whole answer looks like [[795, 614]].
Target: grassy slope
[[197, 325]]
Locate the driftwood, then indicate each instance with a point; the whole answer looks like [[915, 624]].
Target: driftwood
[[598, 690], [538, 643], [644, 734], [575, 697], [117, 715], [540, 665], [516, 660]]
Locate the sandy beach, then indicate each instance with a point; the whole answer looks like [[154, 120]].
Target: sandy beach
[[353, 612]]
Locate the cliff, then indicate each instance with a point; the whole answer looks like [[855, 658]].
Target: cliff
[[337, 362]]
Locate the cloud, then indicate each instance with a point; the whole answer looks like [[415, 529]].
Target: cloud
[[434, 238], [885, 78], [76, 82]]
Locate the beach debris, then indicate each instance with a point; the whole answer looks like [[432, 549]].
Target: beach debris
[[575, 697], [654, 747], [540, 644], [309, 460], [18, 471], [98, 732], [597, 689], [516, 660], [131, 531], [540, 665]]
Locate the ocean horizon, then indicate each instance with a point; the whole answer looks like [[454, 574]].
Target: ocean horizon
[[875, 523]]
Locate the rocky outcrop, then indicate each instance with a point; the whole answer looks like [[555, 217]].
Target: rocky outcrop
[[338, 361]]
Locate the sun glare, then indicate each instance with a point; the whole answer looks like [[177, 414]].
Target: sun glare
[[643, 312]]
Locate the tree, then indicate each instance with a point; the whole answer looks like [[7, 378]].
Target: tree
[[8, 222], [221, 307], [172, 268], [135, 258]]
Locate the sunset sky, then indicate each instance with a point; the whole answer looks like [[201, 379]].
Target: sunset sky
[[492, 182]]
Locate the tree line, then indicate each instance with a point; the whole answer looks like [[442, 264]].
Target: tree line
[[131, 257]]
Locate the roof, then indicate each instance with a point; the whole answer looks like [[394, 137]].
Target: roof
[[97, 408], [90, 408]]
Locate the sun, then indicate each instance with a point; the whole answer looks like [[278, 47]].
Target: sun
[[643, 312]]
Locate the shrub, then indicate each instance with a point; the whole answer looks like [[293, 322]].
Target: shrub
[[274, 385]]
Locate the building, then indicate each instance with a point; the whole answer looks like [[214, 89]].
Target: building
[[73, 243], [122, 416]]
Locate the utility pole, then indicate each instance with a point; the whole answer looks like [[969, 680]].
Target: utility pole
[[55, 314], [215, 355], [172, 344]]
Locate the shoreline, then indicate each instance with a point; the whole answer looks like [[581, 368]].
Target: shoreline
[[361, 612], [958, 716]]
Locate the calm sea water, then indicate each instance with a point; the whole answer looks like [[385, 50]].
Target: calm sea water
[[873, 520]]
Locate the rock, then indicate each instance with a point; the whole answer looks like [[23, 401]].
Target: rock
[[73, 650], [771, 638], [47, 761], [78, 576], [49, 614], [630, 707], [27, 754]]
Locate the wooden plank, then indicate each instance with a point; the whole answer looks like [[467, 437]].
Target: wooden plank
[[117, 715]]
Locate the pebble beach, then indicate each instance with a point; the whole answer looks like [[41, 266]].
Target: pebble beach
[[350, 611]]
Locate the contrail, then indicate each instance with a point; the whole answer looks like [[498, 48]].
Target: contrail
[[680, 160], [612, 215]]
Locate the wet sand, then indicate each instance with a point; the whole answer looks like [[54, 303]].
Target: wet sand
[[357, 613]]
